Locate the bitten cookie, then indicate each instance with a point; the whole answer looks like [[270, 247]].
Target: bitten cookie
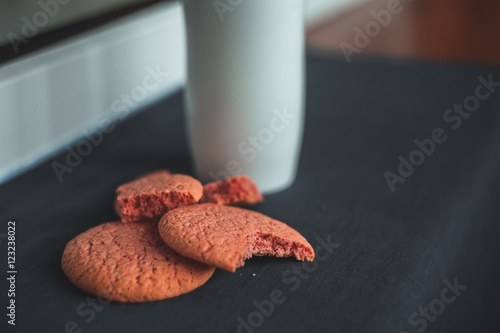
[[130, 263], [237, 190], [152, 195], [224, 236]]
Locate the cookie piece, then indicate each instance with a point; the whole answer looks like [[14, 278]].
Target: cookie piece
[[224, 236], [130, 263], [237, 190], [152, 195]]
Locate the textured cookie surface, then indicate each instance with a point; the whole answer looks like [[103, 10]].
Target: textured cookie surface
[[152, 195], [237, 190], [130, 263], [224, 236]]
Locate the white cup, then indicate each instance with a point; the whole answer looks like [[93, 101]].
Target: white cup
[[245, 89]]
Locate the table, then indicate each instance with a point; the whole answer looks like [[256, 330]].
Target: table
[[389, 254]]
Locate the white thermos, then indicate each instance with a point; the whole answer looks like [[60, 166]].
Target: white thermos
[[245, 89]]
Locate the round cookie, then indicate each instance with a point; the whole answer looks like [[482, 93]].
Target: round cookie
[[130, 263], [224, 236]]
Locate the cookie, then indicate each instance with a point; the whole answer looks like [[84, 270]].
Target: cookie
[[224, 236], [152, 195], [237, 190], [130, 263]]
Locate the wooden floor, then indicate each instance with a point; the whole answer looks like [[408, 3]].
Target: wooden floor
[[449, 30]]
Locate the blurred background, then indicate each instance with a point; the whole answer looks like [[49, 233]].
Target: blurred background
[[69, 67]]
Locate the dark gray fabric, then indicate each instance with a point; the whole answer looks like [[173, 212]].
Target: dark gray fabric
[[394, 250]]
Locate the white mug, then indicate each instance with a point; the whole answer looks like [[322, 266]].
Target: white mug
[[245, 89]]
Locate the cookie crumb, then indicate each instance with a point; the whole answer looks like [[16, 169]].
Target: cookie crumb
[[237, 190]]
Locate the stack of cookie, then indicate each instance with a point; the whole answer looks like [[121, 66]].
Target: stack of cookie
[[172, 235]]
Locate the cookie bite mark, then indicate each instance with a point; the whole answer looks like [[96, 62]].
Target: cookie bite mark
[[237, 190], [151, 196], [262, 244], [224, 236]]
